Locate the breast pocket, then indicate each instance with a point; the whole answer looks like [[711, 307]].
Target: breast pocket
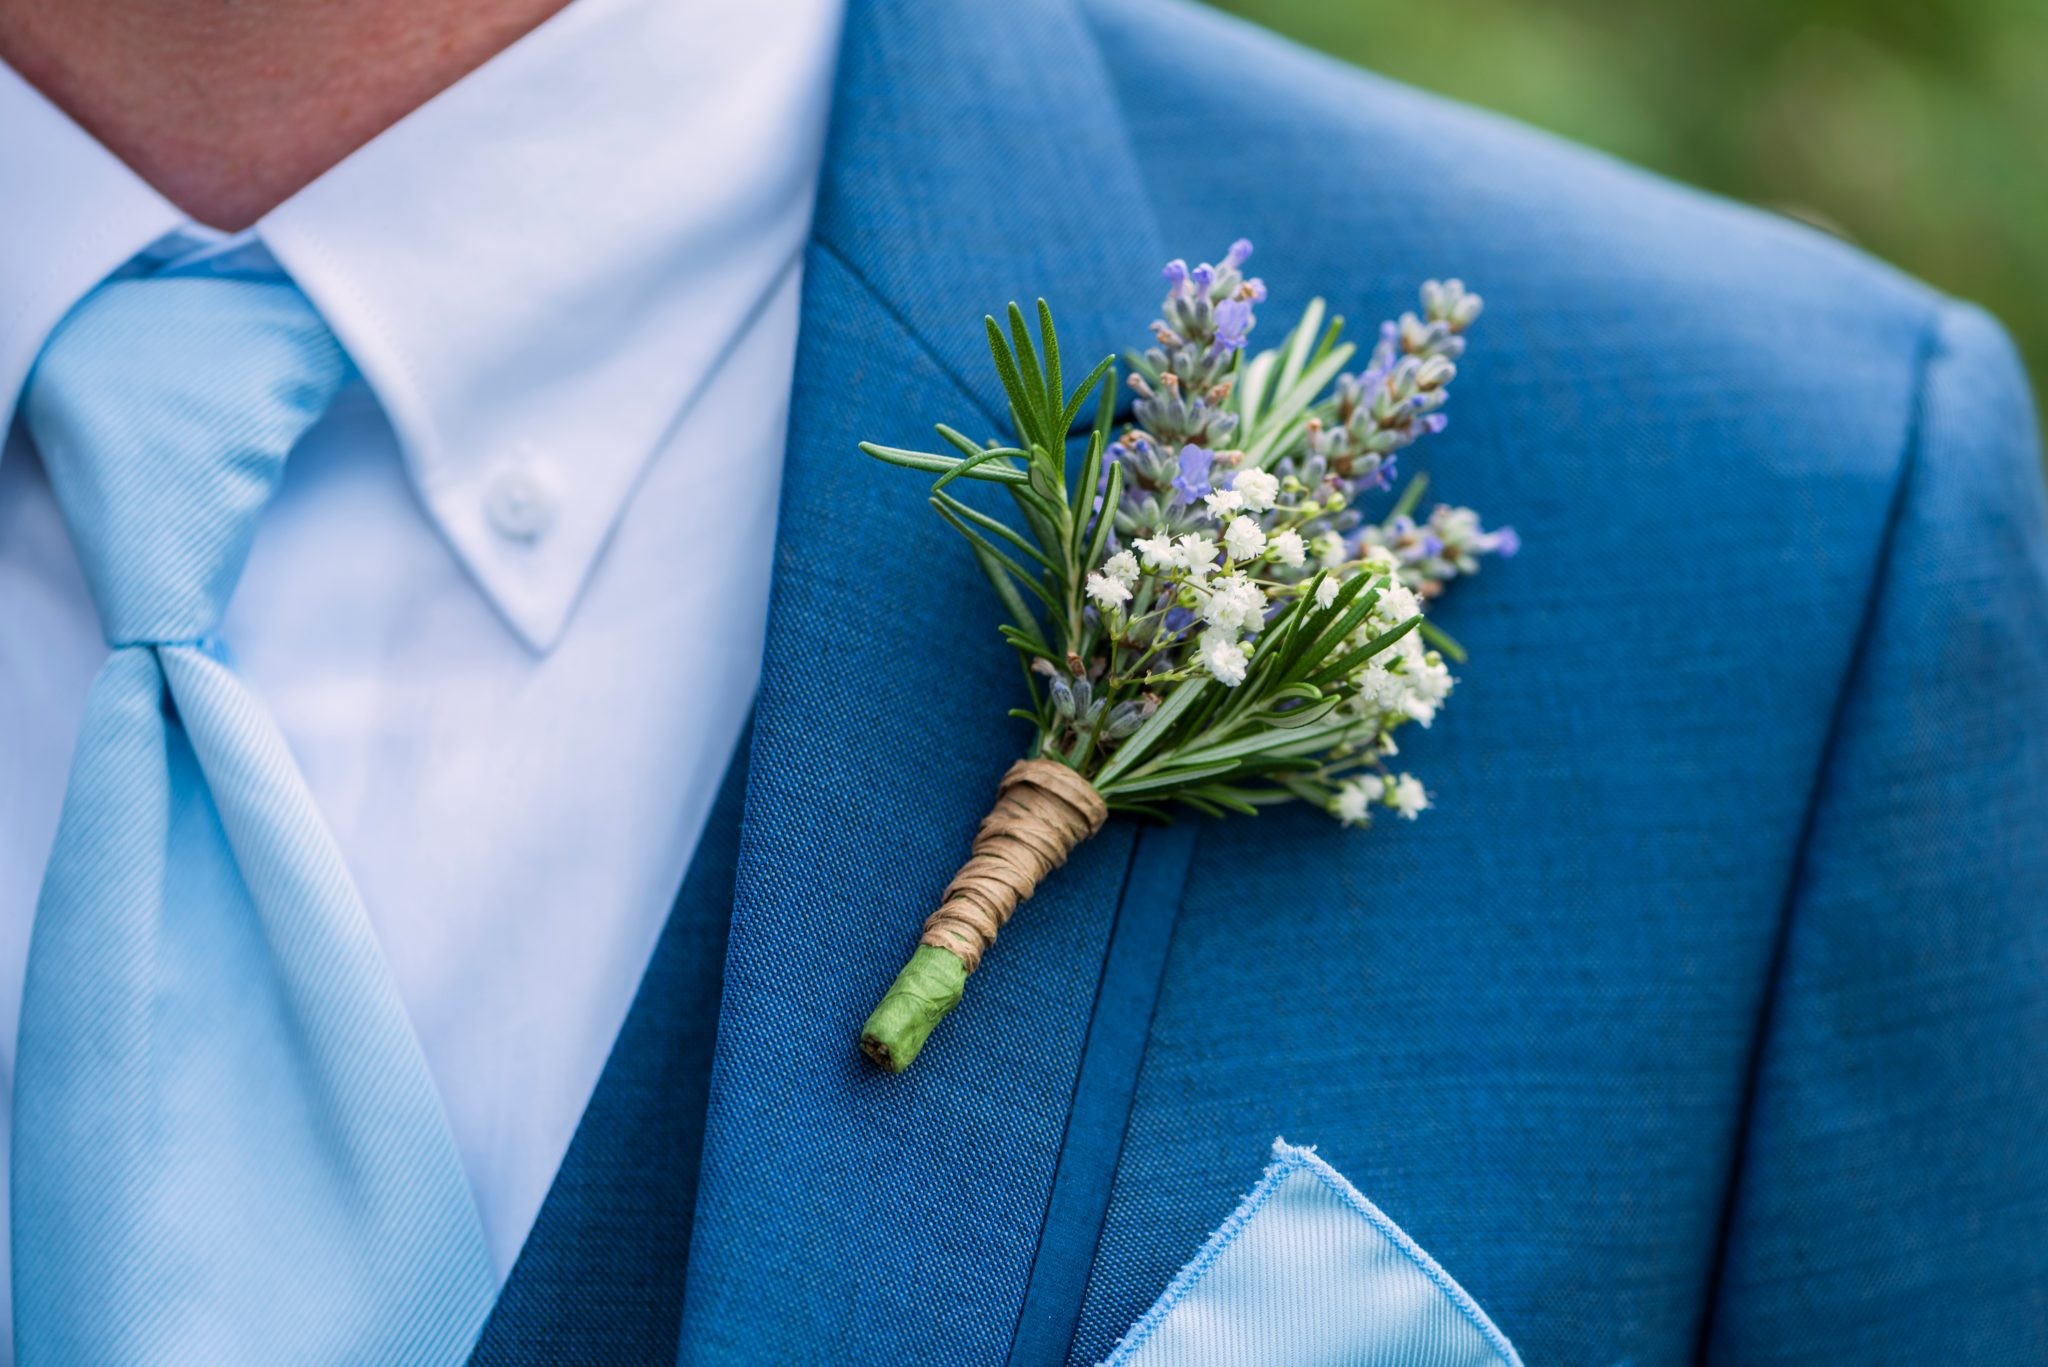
[[1308, 1273]]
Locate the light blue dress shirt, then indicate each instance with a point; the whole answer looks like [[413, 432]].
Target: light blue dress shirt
[[508, 605]]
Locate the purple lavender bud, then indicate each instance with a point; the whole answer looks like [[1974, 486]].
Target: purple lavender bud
[[1124, 718], [1202, 276], [1506, 541], [1178, 620], [1240, 252], [1192, 482], [1176, 271], [1233, 323]]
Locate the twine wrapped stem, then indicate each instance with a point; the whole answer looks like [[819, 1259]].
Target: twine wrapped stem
[[1043, 809]]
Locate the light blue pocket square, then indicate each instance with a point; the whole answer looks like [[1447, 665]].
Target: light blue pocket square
[[1308, 1273]]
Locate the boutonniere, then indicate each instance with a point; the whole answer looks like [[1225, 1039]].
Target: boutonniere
[[1205, 615]]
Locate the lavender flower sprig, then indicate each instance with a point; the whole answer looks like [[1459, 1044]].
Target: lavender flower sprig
[[1204, 614]]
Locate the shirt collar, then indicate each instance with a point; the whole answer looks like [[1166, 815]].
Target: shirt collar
[[536, 271]]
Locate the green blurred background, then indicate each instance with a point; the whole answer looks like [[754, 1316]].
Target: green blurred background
[[1915, 128]]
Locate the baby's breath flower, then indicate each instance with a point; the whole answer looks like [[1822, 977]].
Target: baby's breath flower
[[1380, 690], [1243, 539], [1122, 567], [1397, 604], [1355, 797], [1159, 551], [1330, 548], [1196, 554], [1234, 604], [1223, 657], [1326, 591], [1257, 488], [1288, 550], [1108, 591], [1408, 797], [1223, 503], [1429, 683]]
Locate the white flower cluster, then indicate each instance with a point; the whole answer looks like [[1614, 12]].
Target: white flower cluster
[[1407, 681], [1236, 534], [1196, 603], [1222, 628], [1356, 797]]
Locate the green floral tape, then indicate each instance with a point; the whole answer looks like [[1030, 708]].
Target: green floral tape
[[928, 987]]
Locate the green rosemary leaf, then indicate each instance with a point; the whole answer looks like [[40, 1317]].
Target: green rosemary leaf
[[1266, 797], [1308, 630], [1249, 391], [1329, 338], [967, 465], [985, 551], [1083, 495], [1296, 356], [1026, 641], [1006, 369], [1033, 380], [1217, 795], [1410, 496], [1312, 657], [1444, 641], [1174, 778], [1290, 406], [961, 442], [1151, 809], [1049, 340], [1099, 540], [1104, 368], [1151, 733], [925, 460], [1105, 405], [1305, 715], [1038, 515], [1280, 742], [1020, 613], [1307, 789], [990, 524], [1042, 478], [1344, 664]]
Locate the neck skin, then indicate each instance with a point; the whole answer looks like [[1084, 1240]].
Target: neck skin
[[227, 107]]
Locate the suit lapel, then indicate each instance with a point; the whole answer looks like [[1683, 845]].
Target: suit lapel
[[846, 1215]]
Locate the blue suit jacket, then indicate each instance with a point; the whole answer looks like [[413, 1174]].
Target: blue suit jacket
[[1706, 1018]]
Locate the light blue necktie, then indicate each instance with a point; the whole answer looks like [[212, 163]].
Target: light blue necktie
[[227, 1147]]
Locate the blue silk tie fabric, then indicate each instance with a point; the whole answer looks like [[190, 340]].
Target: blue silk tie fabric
[[227, 1148]]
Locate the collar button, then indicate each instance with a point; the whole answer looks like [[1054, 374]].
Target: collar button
[[518, 503]]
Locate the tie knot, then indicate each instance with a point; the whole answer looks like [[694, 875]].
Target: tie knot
[[163, 410]]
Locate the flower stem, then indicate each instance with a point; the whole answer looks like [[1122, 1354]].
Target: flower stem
[[1043, 809], [928, 987]]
